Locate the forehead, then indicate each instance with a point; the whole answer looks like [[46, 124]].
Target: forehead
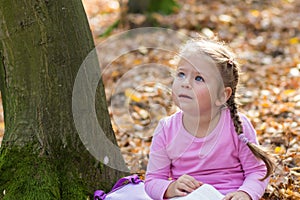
[[198, 62]]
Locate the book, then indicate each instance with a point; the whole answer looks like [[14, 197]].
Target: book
[[204, 192]]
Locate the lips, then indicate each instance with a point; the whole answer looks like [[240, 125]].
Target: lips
[[184, 96]]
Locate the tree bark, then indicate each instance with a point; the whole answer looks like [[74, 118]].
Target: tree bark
[[43, 44]]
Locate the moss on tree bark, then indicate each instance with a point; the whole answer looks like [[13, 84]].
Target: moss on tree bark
[[43, 43]]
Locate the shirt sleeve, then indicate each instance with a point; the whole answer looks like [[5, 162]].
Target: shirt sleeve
[[158, 169], [253, 168]]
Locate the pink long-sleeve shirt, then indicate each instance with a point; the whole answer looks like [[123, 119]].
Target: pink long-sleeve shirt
[[220, 159]]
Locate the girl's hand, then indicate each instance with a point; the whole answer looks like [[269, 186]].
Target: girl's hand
[[238, 195], [182, 186]]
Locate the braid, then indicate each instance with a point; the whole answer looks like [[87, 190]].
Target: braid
[[234, 114], [257, 151], [264, 156], [231, 69]]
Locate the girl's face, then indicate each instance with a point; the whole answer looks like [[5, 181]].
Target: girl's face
[[196, 85]]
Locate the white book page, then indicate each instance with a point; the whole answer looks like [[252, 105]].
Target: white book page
[[204, 192]]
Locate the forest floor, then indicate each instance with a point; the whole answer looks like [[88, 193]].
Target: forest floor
[[266, 37], [264, 34]]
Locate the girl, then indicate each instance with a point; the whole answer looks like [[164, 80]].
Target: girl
[[208, 140]]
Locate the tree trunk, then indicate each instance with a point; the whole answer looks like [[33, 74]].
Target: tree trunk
[[43, 44]]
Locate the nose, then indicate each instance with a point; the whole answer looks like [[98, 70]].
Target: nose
[[186, 83]]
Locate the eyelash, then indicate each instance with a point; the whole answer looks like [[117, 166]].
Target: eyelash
[[181, 75], [202, 79]]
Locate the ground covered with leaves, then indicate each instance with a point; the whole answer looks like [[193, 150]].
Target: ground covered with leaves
[[266, 37]]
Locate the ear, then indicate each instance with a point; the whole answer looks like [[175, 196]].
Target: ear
[[224, 96]]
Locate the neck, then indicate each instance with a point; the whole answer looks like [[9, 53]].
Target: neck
[[201, 126]]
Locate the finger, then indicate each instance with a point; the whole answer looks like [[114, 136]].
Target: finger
[[236, 198], [191, 181], [229, 196], [180, 193], [186, 183], [195, 183], [239, 198], [192, 185], [186, 188]]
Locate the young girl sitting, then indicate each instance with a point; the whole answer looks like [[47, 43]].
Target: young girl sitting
[[208, 140]]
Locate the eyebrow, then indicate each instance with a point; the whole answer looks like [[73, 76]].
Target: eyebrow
[[180, 68], [195, 71]]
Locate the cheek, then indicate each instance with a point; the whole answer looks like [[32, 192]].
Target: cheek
[[175, 99], [174, 91], [204, 94], [175, 86]]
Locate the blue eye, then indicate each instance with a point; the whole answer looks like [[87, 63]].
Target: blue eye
[[199, 78], [180, 75]]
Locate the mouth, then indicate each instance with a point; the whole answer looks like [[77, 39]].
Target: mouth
[[184, 96]]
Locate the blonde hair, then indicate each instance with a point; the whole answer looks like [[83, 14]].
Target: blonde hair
[[229, 70]]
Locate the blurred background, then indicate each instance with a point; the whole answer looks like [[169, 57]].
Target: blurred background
[[264, 34]]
